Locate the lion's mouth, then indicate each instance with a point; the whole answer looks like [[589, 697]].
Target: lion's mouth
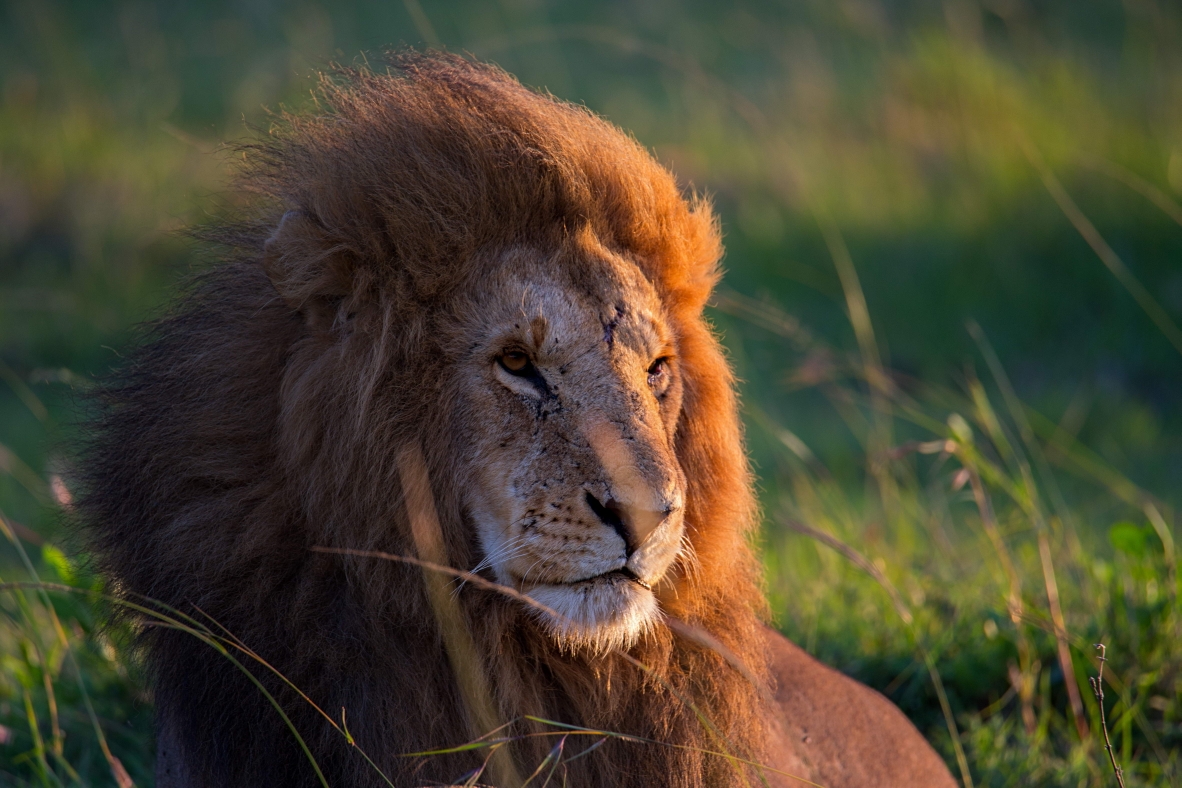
[[602, 612], [623, 572], [635, 578]]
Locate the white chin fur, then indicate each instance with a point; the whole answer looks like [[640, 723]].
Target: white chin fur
[[597, 615]]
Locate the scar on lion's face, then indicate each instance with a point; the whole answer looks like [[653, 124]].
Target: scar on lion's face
[[577, 494]]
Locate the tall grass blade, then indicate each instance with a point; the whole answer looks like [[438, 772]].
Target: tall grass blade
[[1138, 184], [466, 663], [1050, 580], [1107, 256], [880, 385]]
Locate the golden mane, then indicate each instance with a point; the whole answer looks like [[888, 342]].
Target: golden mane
[[264, 416]]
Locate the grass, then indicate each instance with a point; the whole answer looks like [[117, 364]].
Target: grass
[[962, 584], [952, 296]]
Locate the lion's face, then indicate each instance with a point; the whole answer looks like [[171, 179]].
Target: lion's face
[[570, 397]]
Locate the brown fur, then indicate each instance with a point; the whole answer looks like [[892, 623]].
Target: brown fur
[[265, 417]]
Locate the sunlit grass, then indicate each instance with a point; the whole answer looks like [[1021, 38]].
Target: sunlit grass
[[954, 577]]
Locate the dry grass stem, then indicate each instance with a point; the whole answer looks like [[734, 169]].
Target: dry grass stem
[[461, 649], [1097, 683]]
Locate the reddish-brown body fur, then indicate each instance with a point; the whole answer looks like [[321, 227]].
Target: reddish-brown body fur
[[265, 417]]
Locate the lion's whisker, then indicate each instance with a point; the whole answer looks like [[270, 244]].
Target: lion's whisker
[[506, 552], [687, 556], [525, 576]]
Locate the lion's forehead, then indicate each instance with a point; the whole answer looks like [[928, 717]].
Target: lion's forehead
[[552, 316]]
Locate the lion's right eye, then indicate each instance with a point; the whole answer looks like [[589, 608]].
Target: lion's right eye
[[517, 363], [658, 373]]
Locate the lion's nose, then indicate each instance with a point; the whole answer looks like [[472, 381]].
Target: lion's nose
[[633, 524]]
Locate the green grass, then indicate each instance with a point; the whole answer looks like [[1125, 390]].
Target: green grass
[[939, 579], [925, 328]]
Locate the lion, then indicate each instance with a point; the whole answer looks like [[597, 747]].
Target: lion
[[459, 322]]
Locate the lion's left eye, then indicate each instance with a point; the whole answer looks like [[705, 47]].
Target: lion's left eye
[[517, 363], [658, 373]]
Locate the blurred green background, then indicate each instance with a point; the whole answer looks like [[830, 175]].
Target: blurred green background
[[888, 173]]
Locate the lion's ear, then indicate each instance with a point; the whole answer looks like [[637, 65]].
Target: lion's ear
[[312, 271]]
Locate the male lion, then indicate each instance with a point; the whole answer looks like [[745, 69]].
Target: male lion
[[463, 322]]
